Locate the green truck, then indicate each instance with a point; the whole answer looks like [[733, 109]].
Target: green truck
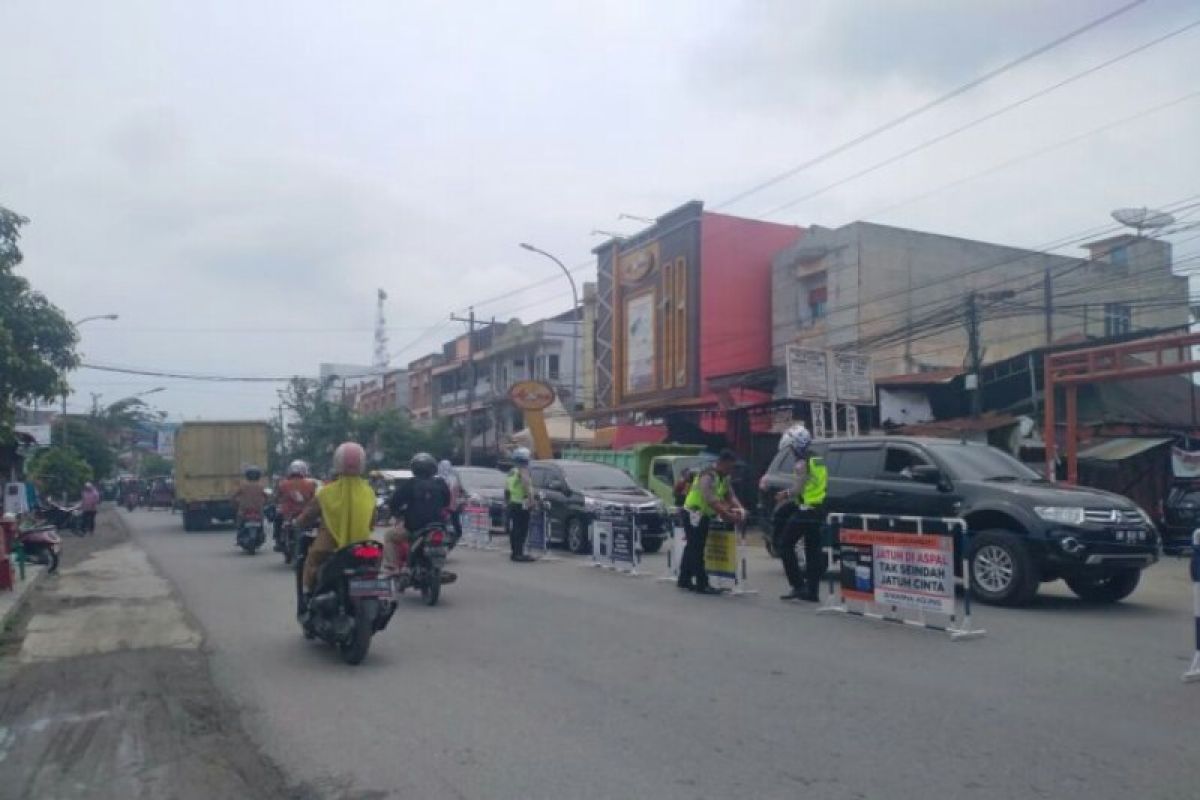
[[655, 467]]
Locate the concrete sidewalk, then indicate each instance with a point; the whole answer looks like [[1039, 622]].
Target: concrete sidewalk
[[10, 602]]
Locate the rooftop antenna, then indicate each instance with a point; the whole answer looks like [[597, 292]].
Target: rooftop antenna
[[1142, 219], [381, 337], [636, 218]]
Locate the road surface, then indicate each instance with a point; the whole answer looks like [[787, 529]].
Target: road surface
[[557, 681]]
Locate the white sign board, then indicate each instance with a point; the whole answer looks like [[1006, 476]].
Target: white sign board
[[852, 379], [807, 373], [40, 433]]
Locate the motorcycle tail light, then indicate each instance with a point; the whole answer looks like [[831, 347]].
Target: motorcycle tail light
[[437, 538], [368, 552]]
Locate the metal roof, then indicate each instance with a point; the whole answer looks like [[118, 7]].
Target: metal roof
[[1122, 448]]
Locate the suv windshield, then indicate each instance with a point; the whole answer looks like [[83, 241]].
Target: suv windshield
[[596, 476], [980, 463], [477, 479]]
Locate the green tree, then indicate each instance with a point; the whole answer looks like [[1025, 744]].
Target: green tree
[[37, 343], [60, 471], [318, 425], [86, 440], [155, 466]]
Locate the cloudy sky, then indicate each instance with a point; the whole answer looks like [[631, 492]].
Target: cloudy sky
[[236, 179]]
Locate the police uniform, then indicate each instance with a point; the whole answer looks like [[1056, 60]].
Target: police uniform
[[803, 518], [518, 511], [698, 514]]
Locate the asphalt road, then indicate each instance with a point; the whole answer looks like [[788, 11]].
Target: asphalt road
[[556, 681]]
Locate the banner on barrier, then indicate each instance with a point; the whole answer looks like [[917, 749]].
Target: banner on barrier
[[624, 542], [601, 541], [536, 539], [721, 555], [903, 570]]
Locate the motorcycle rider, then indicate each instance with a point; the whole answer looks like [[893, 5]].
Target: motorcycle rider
[[250, 495], [520, 502], [292, 495], [345, 509], [711, 496], [422, 501], [446, 474], [801, 518]]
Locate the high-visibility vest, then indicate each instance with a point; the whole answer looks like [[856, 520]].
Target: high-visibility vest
[[695, 498], [516, 487], [815, 484]]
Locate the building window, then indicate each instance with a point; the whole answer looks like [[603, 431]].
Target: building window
[[552, 367], [1119, 256], [814, 300], [1118, 319], [816, 303]]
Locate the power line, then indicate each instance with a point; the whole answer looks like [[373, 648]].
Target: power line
[[980, 120], [921, 109]]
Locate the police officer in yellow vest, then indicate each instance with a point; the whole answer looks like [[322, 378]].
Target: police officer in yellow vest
[[800, 515], [711, 496], [519, 491]]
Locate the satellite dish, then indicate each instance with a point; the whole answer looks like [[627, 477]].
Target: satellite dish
[[1142, 218]]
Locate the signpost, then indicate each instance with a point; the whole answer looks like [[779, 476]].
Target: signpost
[[828, 376]]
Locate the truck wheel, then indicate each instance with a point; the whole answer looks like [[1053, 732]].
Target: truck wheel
[[1002, 572], [578, 540], [652, 545], [1106, 589]]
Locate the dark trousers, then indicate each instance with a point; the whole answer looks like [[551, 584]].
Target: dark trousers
[[791, 523], [87, 523], [518, 518], [456, 523], [692, 574]]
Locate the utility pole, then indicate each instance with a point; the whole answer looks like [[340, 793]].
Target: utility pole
[[976, 357], [1048, 302], [470, 320]]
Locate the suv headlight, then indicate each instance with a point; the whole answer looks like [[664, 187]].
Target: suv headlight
[[590, 503], [1064, 515]]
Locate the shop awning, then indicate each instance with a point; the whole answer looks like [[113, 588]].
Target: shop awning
[[1122, 448]]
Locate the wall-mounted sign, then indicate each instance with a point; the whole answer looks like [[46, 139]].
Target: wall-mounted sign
[[852, 381], [637, 264], [807, 373], [814, 374], [531, 395]]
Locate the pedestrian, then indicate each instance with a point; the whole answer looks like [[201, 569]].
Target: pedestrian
[[89, 503], [710, 496], [520, 501], [445, 472], [799, 515]]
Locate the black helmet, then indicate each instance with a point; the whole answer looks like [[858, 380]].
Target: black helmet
[[253, 473], [423, 465]]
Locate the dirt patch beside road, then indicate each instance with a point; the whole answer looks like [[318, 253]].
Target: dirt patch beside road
[[106, 693]]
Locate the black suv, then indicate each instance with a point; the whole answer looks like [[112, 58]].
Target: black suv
[[1181, 515], [575, 490], [1023, 529]]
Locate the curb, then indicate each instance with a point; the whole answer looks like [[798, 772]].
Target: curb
[[12, 602]]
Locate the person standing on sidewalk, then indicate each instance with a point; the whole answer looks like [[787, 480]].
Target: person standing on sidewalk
[[520, 501], [799, 515], [711, 496], [89, 503]]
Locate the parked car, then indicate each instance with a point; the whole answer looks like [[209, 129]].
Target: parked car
[[1024, 531], [575, 490], [1181, 515], [486, 487]]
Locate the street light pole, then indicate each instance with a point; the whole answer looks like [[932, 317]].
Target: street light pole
[[574, 332]]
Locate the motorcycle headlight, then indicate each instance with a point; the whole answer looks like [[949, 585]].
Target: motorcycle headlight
[[1063, 515]]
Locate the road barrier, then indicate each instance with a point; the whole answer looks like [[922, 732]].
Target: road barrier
[[725, 561], [537, 541], [888, 564], [674, 548], [477, 528], [616, 541], [1193, 673]]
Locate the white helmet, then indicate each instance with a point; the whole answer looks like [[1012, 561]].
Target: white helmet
[[521, 456], [298, 467], [797, 438]]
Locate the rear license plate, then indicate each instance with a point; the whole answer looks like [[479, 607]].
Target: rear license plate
[[370, 587], [435, 552]]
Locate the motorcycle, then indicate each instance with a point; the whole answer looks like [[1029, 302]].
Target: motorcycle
[[424, 567], [63, 518], [42, 545], [131, 501], [287, 538], [351, 600], [250, 534]]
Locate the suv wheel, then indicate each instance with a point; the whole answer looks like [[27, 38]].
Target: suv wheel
[[1002, 571], [1105, 589], [577, 536]]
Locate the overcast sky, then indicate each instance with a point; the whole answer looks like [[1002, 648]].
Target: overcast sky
[[236, 179]]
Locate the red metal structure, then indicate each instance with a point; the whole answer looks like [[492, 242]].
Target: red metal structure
[[1144, 358]]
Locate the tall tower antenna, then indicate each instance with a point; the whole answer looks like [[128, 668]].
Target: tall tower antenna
[[381, 338]]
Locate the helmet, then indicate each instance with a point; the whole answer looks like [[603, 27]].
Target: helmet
[[298, 467], [423, 465], [252, 473], [797, 438], [349, 459], [521, 456]]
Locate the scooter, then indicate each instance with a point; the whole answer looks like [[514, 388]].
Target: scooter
[[63, 518], [424, 566], [351, 601], [42, 545], [250, 534]]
